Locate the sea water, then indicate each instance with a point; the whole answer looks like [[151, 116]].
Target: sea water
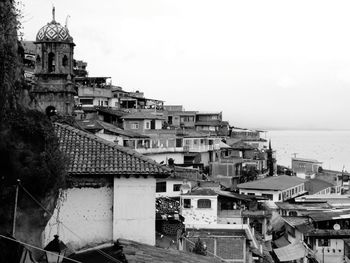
[[332, 148]]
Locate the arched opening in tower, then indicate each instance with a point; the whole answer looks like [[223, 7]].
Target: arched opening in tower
[[65, 61], [51, 67], [50, 111]]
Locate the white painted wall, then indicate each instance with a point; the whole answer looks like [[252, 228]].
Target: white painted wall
[[134, 209], [195, 215], [331, 254], [170, 187], [113, 102], [205, 158], [87, 212], [159, 124], [285, 194]]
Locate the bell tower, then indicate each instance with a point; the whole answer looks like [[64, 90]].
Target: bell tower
[[54, 90]]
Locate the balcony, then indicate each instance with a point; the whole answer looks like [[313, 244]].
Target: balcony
[[243, 213], [256, 213], [230, 213]]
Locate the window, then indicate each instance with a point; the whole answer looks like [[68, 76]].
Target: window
[[293, 213], [323, 242], [187, 119], [279, 197], [146, 143], [187, 142], [187, 203], [87, 101], [176, 187], [65, 61], [38, 59], [178, 142], [51, 63], [204, 203], [134, 125], [161, 187], [268, 196], [148, 125], [106, 103], [139, 144]]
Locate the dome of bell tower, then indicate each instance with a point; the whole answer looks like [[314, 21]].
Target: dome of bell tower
[[54, 32]]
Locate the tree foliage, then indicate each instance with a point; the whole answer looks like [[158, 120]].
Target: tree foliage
[[29, 150], [10, 69], [28, 144], [248, 175]]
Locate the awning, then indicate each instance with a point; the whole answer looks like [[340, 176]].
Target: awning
[[291, 252]]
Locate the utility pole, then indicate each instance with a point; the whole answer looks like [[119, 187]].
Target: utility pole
[[15, 209]]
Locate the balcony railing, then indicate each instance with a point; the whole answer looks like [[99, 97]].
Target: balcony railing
[[256, 213], [230, 213], [243, 213]]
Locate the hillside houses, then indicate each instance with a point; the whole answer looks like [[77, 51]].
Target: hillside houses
[[139, 169]]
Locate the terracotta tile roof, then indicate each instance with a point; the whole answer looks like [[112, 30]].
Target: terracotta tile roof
[[281, 182], [89, 154]]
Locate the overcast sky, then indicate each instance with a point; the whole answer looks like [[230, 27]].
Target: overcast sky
[[265, 64]]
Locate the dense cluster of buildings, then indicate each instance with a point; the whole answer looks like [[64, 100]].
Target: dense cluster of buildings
[[157, 174]]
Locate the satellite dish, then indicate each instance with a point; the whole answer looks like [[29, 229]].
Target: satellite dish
[[336, 227]]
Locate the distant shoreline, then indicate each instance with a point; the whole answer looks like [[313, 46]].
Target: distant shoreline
[[296, 129]]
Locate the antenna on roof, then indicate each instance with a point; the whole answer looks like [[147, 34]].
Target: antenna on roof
[[66, 25], [295, 155], [53, 13]]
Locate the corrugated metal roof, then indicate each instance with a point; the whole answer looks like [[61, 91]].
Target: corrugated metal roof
[[316, 185], [281, 182]]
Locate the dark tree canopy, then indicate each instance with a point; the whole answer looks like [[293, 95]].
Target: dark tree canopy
[[28, 145]]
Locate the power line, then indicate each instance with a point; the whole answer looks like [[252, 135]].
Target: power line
[[37, 202], [29, 245]]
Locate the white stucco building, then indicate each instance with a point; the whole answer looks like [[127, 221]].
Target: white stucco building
[[110, 193]]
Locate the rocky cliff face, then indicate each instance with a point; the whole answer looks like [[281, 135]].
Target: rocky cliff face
[[28, 146]]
